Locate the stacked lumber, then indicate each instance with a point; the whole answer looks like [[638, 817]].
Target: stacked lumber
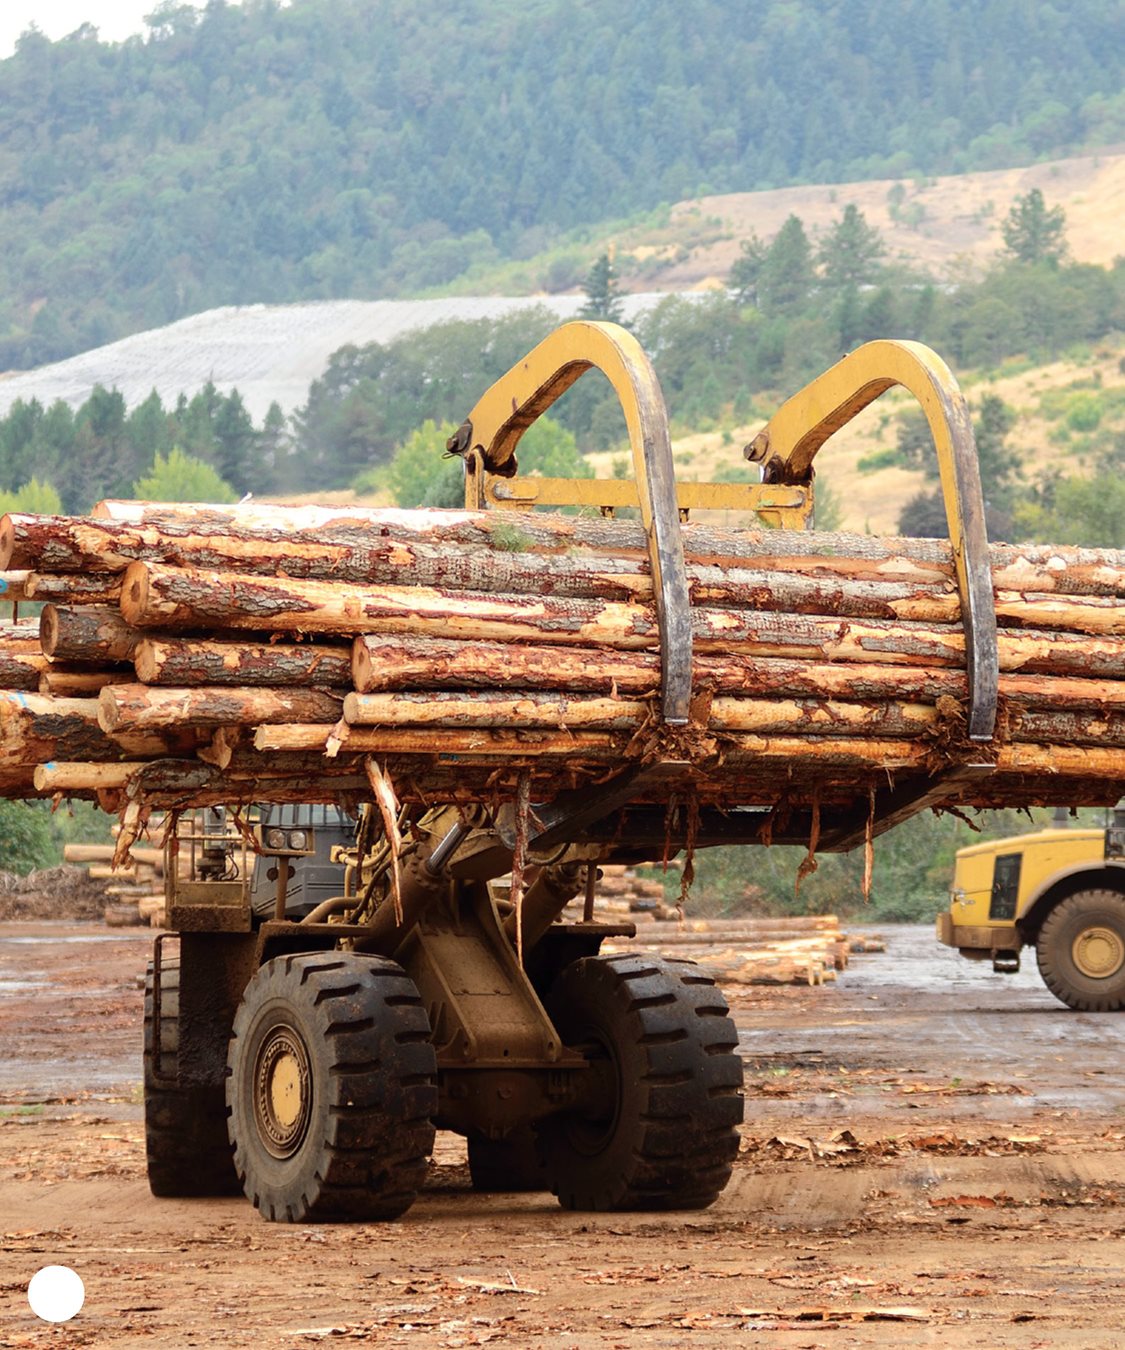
[[134, 890], [206, 654], [784, 950]]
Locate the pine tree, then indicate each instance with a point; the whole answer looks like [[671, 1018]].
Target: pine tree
[[787, 271], [851, 251], [603, 298], [1032, 233]]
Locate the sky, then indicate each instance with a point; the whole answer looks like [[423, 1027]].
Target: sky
[[114, 19]]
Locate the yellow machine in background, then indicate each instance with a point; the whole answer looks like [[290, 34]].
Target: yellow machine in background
[[1061, 891]]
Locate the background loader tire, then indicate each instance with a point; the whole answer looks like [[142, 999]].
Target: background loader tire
[[1081, 950], [331, 1088], [186, 1142], [664, 1134]]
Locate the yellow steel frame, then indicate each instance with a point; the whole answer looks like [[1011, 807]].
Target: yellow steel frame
[[788, 444], [785, 449], [492, 431]]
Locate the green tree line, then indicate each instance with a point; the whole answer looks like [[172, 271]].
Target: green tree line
[[789, 311], [263, 152]]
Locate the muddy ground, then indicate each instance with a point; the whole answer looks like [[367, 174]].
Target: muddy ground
[[932, 1155]]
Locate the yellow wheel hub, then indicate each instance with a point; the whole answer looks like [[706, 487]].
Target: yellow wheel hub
[[282, 1091], [1098, 953]]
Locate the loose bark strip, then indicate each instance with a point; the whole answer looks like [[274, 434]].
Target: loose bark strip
[[388, 806], [188, 662], [92, 633], [137, 707]]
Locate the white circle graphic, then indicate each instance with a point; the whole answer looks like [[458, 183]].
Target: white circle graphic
[[56, 1293]]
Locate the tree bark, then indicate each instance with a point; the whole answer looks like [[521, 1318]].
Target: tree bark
[[131, 708], [542, 710], [92, 633], [189, 662], [69, 588], [1034, 567], [20, 670]]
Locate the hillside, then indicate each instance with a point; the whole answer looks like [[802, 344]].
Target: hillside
[[372, 148], [269, 353], [943, 226]]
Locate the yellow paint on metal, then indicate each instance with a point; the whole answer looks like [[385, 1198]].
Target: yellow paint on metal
[[285, 1090], [790, 440], [1098, 952], [1045, 855], [524, 493]]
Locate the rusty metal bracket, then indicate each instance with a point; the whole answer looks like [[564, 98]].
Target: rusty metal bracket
[[488, 440], [788, 444]]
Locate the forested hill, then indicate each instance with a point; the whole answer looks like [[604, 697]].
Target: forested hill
[[367, 148]]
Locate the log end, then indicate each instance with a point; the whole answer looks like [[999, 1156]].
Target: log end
[[363, 668], [108, 711], [49, 629], [145, 662], [134, 592], [7, 541]]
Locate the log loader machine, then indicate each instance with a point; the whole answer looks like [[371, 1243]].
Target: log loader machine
[[306, 1058], [1058, 890]]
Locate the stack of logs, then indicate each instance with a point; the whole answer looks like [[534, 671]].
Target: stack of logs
[[135, 891], [206, 654], [796, 949]]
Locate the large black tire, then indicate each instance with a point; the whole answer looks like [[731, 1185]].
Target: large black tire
[[504, 1166], [664, 1134], [186, 1142], [1081, 951], [331, 1089]]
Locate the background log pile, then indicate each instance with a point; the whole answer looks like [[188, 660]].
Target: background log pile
[[134, 891], [193, 654]]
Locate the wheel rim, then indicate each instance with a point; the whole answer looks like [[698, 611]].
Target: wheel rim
[[590, 1129], [282, 1091], [1098, 952]]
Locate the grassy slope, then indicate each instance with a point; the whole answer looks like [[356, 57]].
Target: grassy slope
[[943, 225]]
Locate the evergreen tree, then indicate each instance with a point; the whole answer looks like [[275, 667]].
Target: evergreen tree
[[850, 252], [603, 298], [787, 271], [746, 274], [1032, 233]]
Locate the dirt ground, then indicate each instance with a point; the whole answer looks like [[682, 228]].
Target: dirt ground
[[932, 1155]]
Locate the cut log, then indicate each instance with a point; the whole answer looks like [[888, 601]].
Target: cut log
[[91, 633], [13, 586], [83, 588], [188, 662], [496, 709], [1035, 567], [155, 595], [132, 708], [66, 682], [20, 670]]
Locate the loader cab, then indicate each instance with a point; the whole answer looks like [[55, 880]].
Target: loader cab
[[313, 876]]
